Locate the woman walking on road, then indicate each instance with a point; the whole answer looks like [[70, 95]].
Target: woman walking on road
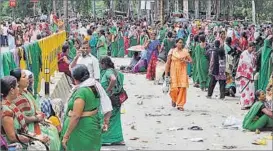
[[176, 67], [153, 48], [112, 82]]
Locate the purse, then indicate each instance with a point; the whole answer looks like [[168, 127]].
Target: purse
[[34, 144], [118, 98]]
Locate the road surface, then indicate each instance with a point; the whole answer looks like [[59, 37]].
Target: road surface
[[150, 123]]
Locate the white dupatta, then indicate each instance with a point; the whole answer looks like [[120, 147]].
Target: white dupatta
[[106, 105]]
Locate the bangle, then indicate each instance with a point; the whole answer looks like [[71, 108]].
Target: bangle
[[36, 118], [65, 136]]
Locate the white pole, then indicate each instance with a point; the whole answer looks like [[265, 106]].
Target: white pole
[[253, 12]]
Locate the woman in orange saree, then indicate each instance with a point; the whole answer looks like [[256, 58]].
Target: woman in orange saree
[[176, 67]]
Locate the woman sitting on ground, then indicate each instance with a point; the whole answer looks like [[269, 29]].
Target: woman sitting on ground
[[35, 119], [12, 119], [259, 116]]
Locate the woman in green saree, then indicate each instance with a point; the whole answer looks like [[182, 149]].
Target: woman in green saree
[[259, 116], [72, 49], [202, 63], [102, 45], [112, 82], [93, 43], [30, 108], [120, 37], [266, 63], [133, 39], [83, 122], [114, 41]]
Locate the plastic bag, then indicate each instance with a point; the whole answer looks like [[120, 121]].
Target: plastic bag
[[166, 85]]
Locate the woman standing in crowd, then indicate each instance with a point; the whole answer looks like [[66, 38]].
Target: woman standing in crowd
[[176, 67], [19, 40], [112, 82], [153, 47], [120, 43], [102, 45], [126, 40], [245, 77], [13, 122], [202, 63], [217, 69], [30, 108], [93, 42], [64, 60], [82, 124], [133, 36]]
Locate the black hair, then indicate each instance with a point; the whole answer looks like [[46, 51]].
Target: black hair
[[217, 43], [107, 62], [65, 48], [80, 73], [177, 40], [244, 35], [202, 38], [39, 37], [17, 73], [102, 32], [7, 83], [228, 40], [170, 34], [196, 38], [89, 32]]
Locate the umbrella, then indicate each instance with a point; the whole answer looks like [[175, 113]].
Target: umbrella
[[137, 48]]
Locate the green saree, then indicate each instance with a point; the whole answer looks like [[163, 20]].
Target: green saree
[[202, 66], [87, 134], [72, 50], [194, 66], [121, 51], [114, 133], [49, 130], [266, 65], [102, 51], [93, 44], [114, 48], [253, 122], [133, 42]]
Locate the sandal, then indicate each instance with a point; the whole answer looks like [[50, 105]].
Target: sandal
[[180, 108], [118, 144], [173, 104], [195, 128]]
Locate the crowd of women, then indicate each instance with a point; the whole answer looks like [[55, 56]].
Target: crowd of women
[[237, 56]]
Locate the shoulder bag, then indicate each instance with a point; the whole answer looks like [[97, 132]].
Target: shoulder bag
[[118, 98]]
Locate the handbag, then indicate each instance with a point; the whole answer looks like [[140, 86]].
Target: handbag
[[118, 98], [34, 143]]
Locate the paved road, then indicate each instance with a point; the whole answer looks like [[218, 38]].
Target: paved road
[[150, 123]]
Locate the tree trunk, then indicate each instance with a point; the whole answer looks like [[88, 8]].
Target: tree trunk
[[65, 3], [54, 6], [218, 7], [196, 6], [138, 9], [253, 12], [208, 16], [186, 8], [162, 12]]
